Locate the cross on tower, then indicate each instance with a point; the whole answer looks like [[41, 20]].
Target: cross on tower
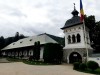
[[74, 6]]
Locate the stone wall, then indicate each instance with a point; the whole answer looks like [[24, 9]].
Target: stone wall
[[81, 51]]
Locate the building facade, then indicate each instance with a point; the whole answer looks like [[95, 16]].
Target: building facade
[[77, 40], [24, 47]]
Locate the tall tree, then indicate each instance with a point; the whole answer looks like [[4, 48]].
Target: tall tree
[[94, 32], [21, 36], [96, 37], [36, 51], [2, 43], [16, 38]]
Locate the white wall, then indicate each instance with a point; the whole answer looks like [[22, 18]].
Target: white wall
[[96, 59], [41, 53], [76, 30]]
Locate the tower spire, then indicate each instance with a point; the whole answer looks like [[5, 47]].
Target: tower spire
[[75, 12], [74, 6]]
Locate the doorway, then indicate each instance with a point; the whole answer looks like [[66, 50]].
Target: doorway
[[75, 57]]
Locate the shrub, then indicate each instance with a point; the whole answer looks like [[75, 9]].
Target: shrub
[[97, 71], [52, 53], [21, 56], [76, 65], [92, 65], [82, 66], [30, 58], [88, 70]]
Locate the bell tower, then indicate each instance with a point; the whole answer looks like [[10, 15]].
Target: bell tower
[[77, 41]]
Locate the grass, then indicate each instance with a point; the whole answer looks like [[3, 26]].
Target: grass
[[36, 63], [14, 59], [88, 71], [28, 62]]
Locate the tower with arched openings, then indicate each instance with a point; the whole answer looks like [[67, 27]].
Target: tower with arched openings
[[77, 41]]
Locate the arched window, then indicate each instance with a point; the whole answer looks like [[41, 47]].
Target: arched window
[[73, 39], [20, 53], [69, 39], [78, 38]]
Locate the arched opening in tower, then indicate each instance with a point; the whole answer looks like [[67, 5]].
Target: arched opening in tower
[[75, 57]]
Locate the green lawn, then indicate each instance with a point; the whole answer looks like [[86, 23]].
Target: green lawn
[[14, 59], [36, 63], [28, 62]]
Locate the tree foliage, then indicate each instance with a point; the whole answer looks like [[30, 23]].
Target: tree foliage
[[2, 42], [6, 41], [16, 38], [92, 65], [94, 32], [36, 50], [52, 53]]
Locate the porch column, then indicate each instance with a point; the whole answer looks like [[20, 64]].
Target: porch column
[[14, 53], [18, 53], [27, 53]]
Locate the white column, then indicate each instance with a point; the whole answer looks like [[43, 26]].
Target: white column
[[41, 53]]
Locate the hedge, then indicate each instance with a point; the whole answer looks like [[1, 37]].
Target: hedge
[[92, 65], [76, 65], [83, 66], [97, 71]]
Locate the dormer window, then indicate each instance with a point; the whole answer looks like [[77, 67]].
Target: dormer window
[[74, 28], [30, 39], [21, 42], [79, 28]]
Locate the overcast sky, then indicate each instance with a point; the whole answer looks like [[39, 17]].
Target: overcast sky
[[32, 17]]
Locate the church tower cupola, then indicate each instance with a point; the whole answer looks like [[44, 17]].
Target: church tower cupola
[[75, 12], [77, 41]]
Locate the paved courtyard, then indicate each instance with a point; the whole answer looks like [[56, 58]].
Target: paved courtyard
[[19, 68]]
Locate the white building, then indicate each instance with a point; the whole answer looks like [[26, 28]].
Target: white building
[[25, 46], [77, 41]]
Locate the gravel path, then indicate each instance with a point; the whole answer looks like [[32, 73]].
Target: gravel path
[[19, 68]]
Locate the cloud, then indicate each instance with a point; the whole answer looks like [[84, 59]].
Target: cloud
[[17, 13], [31, 17]]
